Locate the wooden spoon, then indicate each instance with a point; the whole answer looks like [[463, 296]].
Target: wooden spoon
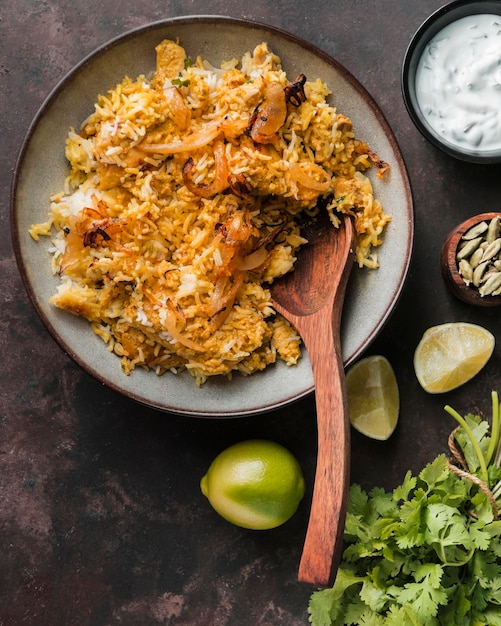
[[311, 298]]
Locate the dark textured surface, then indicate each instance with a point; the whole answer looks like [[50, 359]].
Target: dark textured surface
[[102, 520]]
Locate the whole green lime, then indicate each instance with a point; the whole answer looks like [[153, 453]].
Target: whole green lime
[[255, 484]]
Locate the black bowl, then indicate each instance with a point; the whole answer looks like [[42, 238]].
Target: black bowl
[[431, 26]]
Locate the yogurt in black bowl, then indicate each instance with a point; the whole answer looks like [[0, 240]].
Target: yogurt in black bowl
[[451, 80]]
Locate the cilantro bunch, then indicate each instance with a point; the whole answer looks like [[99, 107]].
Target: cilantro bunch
[[429, 552]]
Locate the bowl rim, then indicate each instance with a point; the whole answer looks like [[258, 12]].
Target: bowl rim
[[434, 23]]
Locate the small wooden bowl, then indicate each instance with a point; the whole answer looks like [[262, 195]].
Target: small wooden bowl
[[449, 265]]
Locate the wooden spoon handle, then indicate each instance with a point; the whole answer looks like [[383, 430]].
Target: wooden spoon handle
[[324, 537]]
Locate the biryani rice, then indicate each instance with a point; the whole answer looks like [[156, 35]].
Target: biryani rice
[[182, 205]]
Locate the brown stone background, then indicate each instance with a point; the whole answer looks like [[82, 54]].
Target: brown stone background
[[101, 519]]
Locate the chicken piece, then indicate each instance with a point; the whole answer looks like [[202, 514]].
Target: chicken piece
[[134, 342], [286, 341], [350, 190], [80, 302], [170, 61]]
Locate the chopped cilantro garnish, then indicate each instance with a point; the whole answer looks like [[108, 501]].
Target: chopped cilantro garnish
[[429, 552], [179, 82]]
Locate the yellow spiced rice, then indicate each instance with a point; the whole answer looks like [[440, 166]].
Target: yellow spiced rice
[[183, 203]]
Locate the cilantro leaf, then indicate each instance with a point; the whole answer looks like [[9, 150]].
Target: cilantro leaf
[[435, 472], [326, 604], [402, 492], [422, 599]]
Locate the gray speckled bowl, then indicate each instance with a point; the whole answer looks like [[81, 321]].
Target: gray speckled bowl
[[41, 169]]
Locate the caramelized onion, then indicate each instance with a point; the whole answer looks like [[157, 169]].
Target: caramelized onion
[[382, 166], [177, 106], [235, 236], [254, 259], [223, 298], [172, 319], [270, 115], [239, 185], [90, 228], [294, 92], [197, 139], [72, 252], [300, 173], [220, 182]]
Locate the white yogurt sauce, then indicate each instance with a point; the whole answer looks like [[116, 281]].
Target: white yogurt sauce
[[458, 83]]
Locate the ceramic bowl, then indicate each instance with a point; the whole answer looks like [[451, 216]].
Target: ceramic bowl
[[42, 168], [413, 98]]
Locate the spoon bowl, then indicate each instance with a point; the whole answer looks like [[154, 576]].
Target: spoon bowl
[[311, 298]]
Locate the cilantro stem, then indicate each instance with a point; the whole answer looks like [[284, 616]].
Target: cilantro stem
[[494, 442], [496, 492], [458, 563], [481, 459]]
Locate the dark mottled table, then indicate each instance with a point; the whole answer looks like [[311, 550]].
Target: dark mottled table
[[101, 517]]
